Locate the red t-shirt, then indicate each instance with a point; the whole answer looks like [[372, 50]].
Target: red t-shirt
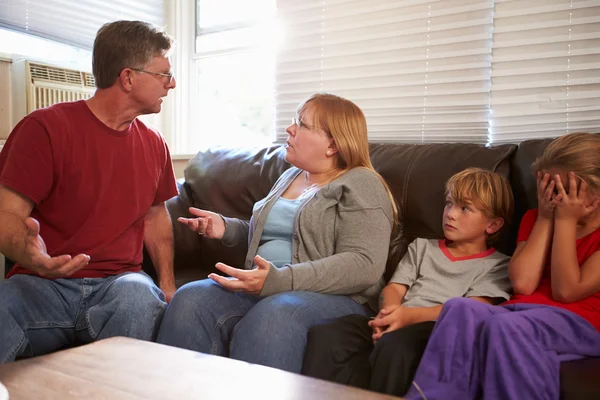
[[92, 186], [588, 308]]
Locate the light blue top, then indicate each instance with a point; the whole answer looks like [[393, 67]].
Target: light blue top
[[276, 240]]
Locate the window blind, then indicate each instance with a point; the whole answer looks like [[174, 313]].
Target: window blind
[[420, 70], [545, 79], [75, 22]]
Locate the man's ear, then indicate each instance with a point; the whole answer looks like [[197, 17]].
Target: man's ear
[[126, 79], [494, 225]]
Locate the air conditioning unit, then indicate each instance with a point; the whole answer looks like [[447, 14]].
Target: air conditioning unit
[[36, 85]]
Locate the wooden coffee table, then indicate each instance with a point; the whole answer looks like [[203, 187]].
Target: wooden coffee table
[[123, 368]]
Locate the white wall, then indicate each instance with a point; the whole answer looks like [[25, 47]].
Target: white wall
[[5, 110]]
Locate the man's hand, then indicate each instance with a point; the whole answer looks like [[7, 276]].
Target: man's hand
[[388, 320], [35, 255], [247, 281], [208, 224]]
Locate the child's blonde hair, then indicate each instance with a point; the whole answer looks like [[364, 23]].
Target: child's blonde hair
[[488, 191], [576, 152]]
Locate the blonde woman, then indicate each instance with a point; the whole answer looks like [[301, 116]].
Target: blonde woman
[[317, 247]]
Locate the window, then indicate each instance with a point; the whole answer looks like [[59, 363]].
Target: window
[[420, 70], [232, 74], [62, 33], [486, 71], [74, 22], [44, 50], [545, 79]]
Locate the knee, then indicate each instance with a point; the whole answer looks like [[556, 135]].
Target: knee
[[272, 320], [389, 347], [136, 292], [191, 297]]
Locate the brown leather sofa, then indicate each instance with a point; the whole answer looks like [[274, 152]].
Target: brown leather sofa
[[230, 181]]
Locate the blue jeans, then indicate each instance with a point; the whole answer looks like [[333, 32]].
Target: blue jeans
[[205, 317], [38, 315]]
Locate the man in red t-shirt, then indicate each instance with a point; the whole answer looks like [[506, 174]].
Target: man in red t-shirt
[[91, 180]]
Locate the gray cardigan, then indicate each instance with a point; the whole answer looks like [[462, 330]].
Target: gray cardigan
[[340, 242]]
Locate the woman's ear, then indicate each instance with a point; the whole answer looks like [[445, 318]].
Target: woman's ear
[[332, 149], [494, 225]]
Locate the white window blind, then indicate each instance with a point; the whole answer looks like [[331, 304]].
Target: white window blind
[[420, 70], [545, 69], [75, 22]]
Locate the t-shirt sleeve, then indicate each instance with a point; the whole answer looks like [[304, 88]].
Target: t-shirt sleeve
[[494, 284], [526, 226], [407, 270], [26, 162], [167, 187]]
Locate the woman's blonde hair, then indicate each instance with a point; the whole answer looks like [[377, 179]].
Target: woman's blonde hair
[[345, 122], [576, 152]]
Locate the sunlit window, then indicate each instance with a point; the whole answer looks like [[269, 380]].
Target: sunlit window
[[47, 51], [234, 62]]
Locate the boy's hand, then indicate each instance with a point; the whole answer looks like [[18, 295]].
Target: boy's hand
[[380, 315], [389, 319], [571, 206], [545, 191]]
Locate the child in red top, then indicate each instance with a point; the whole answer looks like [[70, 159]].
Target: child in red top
[[514, 351]]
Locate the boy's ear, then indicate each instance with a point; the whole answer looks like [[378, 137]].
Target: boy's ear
[[494, 225]]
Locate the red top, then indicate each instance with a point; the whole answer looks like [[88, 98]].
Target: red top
[[446, 251], [92, 186], [588, 308]]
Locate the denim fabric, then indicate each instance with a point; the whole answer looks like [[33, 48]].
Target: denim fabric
[[38, 315], [269, 331]]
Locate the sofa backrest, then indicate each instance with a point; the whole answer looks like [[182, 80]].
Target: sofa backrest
[[230, 181]]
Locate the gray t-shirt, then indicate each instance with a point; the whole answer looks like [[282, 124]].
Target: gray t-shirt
[[434, 276]]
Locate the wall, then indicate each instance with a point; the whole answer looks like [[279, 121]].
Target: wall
[[179, 164], [5, 121]]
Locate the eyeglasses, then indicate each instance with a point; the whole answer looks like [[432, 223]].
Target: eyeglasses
[[166, 75], [298, 122]]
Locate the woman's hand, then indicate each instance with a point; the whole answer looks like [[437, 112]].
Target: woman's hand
[[545, 192], [572, 206], [242, 280], [208, 224]]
